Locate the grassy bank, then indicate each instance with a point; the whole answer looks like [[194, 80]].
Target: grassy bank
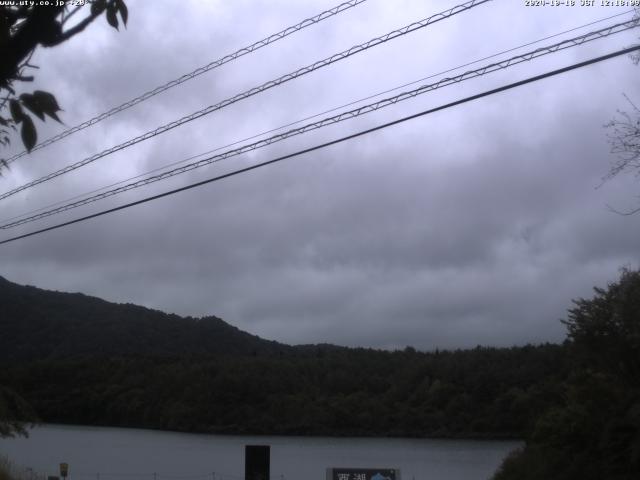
[[11, 471], [6, 469]]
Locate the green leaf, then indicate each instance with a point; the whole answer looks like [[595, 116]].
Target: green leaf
[[47, 103], [124, 11], [111, 16], [28, 133], [98, 6], [47, 99], [54, 116], [29, 101], [16, 110]]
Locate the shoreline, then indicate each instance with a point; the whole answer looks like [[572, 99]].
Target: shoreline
[[487, 438]]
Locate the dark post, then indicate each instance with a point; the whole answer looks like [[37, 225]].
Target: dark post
[[257, 460]]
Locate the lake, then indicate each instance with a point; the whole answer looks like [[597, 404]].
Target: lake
[[97, 453]]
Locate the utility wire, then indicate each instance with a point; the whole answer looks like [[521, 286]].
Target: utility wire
[[332, 142], [602, 33], [198, 71], [253, 91], [354, 102]]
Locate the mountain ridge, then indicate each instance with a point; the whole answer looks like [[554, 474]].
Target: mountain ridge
[[38, 323], [131, 366]]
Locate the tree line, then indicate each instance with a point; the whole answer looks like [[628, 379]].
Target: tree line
[[484, 392]]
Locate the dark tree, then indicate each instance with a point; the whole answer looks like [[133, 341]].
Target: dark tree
[[15, 413], [595, 434], [605, 330]]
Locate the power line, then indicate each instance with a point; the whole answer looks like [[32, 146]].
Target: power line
[[198, 71], [265, 86], [572, 42], [369, 97], [333, 142]]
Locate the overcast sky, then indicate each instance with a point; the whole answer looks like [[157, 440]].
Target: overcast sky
[[474, 225]]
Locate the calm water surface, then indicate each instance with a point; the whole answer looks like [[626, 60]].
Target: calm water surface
[[122, 454]]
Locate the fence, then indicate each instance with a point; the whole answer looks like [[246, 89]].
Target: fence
[[17, 472]]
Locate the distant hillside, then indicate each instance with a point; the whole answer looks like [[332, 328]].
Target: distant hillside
[[42, 324], [81, 360]]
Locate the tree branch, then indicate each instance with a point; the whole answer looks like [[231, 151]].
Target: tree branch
[[77, 28], [36, 29], [69, 15]]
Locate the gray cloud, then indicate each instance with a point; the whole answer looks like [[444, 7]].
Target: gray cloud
[[476, 225]]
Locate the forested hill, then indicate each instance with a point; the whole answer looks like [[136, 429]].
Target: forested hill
[[41, 324], [78, 359]]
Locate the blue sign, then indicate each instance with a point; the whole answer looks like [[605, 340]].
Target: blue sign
[[363, 474]]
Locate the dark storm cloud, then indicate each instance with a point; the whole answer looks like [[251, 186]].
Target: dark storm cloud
[[474, 225]]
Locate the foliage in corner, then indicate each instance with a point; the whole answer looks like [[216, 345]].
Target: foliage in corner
[[22, 29], [624, 138], [595, 434], [624, 142]]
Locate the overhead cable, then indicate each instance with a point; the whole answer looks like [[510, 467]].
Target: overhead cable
[[198, 71], [253, 91], [310, 117], [539, 52], [494, 91]]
